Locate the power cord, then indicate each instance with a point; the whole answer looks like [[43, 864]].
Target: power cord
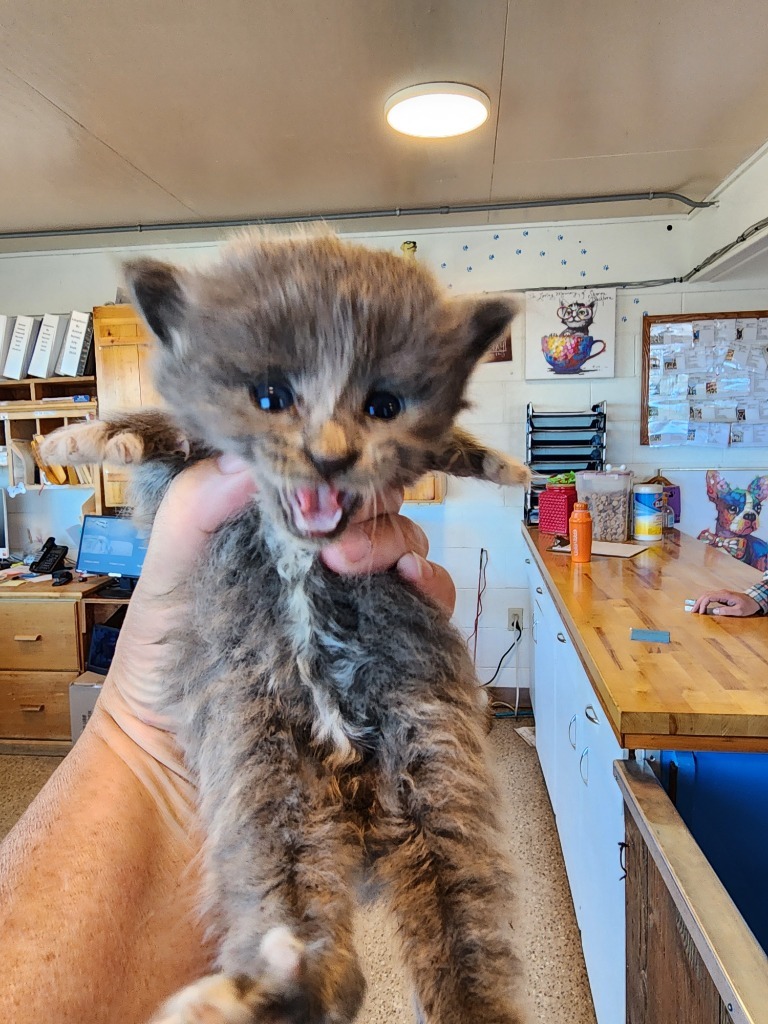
[[509, 650], [482, 583]]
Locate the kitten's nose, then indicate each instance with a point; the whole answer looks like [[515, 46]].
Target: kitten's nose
[[330, 467]]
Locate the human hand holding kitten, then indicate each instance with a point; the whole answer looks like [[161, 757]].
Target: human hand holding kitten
[[199, 500]]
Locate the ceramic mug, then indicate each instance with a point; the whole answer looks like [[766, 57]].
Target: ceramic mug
[[567, 353]]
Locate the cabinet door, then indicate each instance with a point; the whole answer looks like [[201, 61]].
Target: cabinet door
[[569, 742], [544, 699], [124, 382], [601, 910]]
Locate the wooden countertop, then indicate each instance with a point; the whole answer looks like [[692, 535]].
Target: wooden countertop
[[705, 690], [73, 591]]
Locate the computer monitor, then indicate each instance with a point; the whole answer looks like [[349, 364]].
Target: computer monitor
[[112, 546]]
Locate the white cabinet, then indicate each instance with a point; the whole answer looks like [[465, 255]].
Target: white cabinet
[[577, 748]]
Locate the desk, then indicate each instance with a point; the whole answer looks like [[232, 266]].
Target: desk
[[42, 649]]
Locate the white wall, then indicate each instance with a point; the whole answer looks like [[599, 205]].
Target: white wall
[[480, 259]]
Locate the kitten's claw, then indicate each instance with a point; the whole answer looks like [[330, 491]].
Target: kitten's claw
[[501, 469]]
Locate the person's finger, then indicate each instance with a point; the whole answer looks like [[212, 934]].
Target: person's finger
[[375, 545], [430, 578], [382, 503], [198, 501], [723, 596]]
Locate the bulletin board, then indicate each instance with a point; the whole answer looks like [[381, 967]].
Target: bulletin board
[[705, 380]]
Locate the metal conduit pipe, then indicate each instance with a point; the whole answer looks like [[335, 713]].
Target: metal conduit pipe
[[399, 211]]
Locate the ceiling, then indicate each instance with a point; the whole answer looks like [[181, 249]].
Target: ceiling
[[150, 111]]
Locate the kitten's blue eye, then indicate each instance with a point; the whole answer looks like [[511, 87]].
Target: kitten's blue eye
[[272, 397], [383, 405]]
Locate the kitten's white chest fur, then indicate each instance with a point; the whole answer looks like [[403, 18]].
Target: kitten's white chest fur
[[306, 630]]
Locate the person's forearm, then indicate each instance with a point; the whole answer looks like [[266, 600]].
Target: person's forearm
[[97, 893]]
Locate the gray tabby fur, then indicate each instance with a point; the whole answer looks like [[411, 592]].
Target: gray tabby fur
[[334, 724]]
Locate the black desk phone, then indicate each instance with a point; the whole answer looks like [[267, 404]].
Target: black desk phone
[[50, 558]]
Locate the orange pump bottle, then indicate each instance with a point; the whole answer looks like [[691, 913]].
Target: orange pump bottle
[[580, 530]]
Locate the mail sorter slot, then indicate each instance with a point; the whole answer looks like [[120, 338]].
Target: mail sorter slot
[[565, 440]]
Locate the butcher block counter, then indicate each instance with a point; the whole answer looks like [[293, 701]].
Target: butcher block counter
[[707, 689]]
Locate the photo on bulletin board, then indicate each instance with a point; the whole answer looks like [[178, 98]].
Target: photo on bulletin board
[[727, 509], [570, 333]]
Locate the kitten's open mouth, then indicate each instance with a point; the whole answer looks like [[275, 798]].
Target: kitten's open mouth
[[320, 511]]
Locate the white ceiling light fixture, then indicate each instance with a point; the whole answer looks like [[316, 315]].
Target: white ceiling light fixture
[[437, 110]]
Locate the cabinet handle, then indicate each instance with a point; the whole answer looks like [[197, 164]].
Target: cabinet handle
[[32, 707], [561, 638], [623, 847], [584, 763], [28, 638], [572, 741], [591, 715], [539, 590]]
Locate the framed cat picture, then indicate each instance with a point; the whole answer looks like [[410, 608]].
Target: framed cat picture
[[570, 334]]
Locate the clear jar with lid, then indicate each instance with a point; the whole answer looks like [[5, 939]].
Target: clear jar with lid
[[607, 495]]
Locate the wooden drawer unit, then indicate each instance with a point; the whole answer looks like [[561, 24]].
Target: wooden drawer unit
[[35, 705], [39, 635]]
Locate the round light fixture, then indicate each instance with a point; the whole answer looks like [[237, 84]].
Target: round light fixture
[[437, 110]]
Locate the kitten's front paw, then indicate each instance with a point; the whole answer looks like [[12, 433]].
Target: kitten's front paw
[[79, 443], [216, 999], [502, 469]]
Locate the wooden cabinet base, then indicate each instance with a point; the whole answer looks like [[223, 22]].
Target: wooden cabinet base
[[35, 748], [667, 980], [690, 955]]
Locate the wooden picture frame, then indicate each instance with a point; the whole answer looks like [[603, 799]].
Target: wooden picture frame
[[649, 322]]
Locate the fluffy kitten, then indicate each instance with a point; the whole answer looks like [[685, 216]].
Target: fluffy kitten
[[333, 724]]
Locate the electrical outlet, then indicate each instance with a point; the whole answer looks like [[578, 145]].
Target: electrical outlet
[[514, 618]]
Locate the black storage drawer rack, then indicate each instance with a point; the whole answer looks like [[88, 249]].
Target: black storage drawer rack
[[556, 442]]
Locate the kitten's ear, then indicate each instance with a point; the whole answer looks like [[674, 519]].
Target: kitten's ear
[[484, 320], [158, 294]]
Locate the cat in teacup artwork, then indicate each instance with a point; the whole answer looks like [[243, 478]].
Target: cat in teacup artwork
[[334, 725], [567, 351]]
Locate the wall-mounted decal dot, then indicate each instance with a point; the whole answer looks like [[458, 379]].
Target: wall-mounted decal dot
[[450, 286], [496, 238], [443, 266], [623, 319], [583, 273], [525, 234], [559, 238], [605, 266], [465, 247], [469, 270], [645, 312], [542, 253], [491, 256], [583, 252], [563, 262], [518, 252], [636, 301]]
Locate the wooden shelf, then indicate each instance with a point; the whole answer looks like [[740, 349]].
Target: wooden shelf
[[26, 410]]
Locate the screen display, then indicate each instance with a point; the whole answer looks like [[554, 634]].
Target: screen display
[[111, 546]]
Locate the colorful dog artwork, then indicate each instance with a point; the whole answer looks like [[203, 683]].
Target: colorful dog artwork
[[738, 518]]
